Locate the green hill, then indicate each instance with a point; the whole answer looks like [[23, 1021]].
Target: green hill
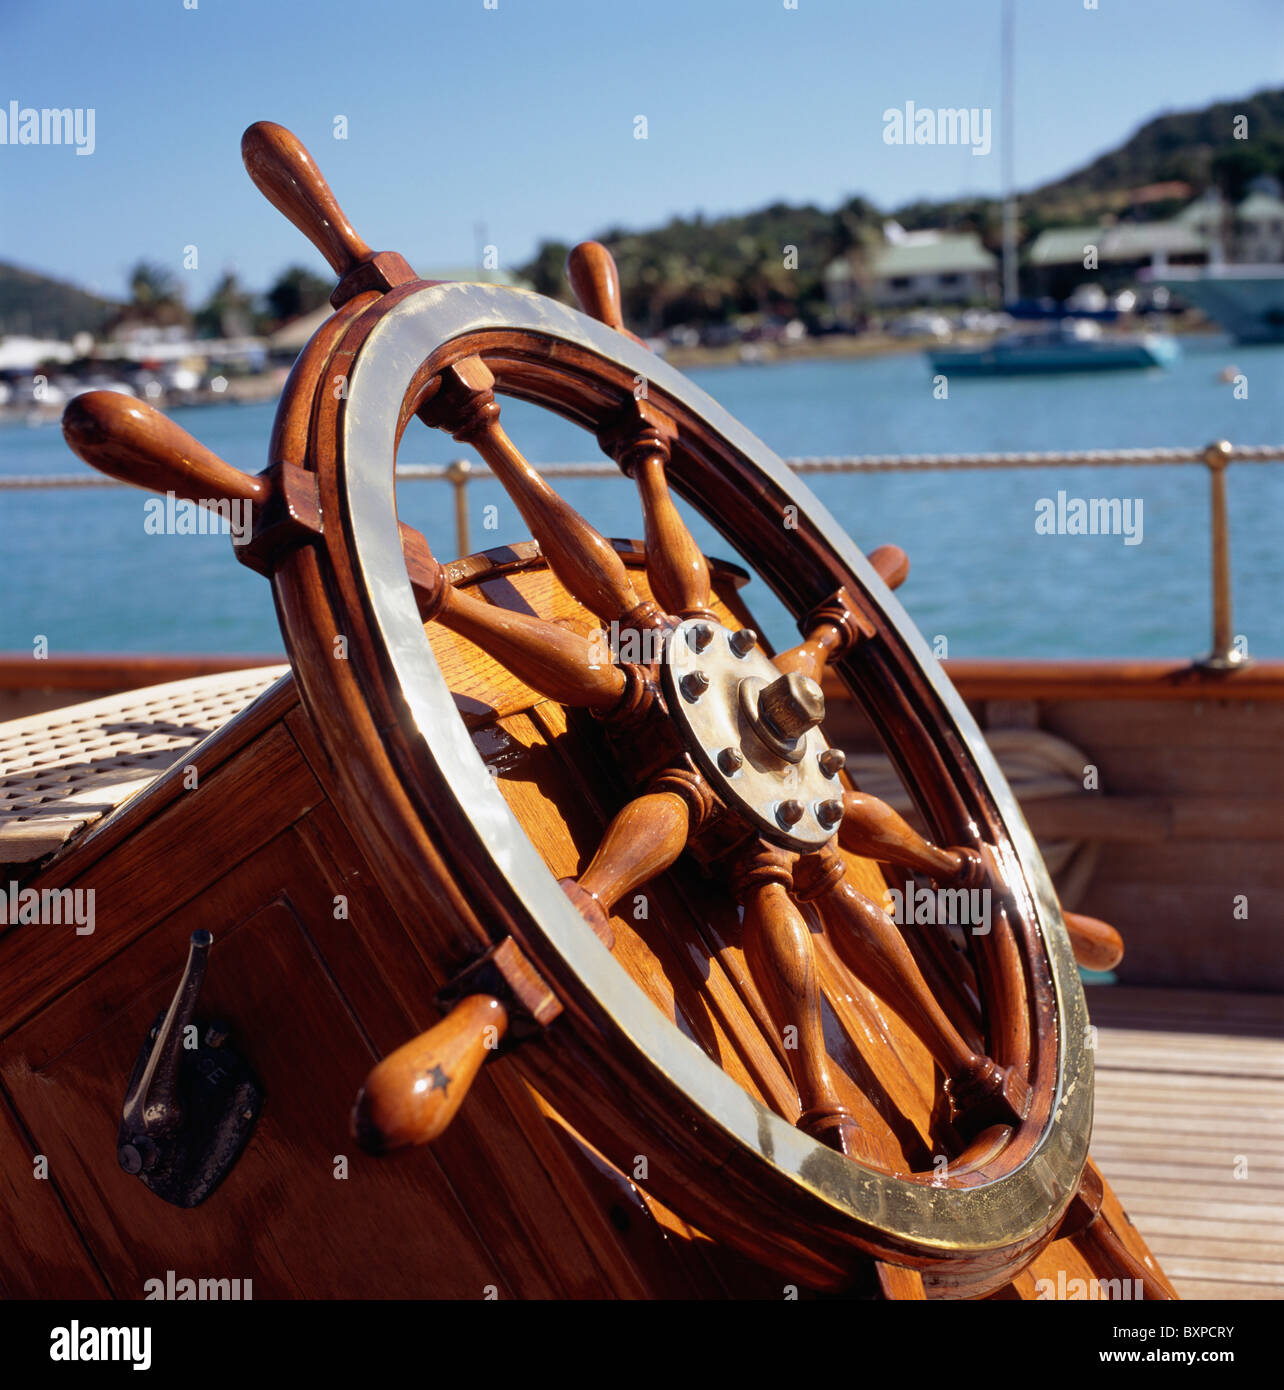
[[36, 306], [1196, 147], [700, 270]]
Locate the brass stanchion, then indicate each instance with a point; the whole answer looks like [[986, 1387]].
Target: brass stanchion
[[457, 472], [1224, 656]]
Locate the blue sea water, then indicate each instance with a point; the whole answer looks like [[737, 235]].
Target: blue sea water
[[81, 571]]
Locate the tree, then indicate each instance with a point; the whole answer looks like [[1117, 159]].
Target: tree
[[296, 291], [228, 312], [152, 286], [1235, 167], [547, 272]]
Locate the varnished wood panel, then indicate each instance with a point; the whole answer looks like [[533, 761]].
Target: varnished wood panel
[[41, 1251], [258, 792], [67, 1073]]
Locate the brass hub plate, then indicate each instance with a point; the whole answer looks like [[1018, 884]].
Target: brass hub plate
[[717, 727]]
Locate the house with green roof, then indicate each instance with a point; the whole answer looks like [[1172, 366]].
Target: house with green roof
[[1061, 258], [1259, 228], [1205, 230], [911, 269]]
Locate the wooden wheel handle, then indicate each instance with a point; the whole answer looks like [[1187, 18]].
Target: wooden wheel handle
[[595, 279], [415, 1092], [128, 440], [285, 173], [892, 564], [1097, 945], [288, 178]]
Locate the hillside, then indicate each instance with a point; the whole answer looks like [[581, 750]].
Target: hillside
[[697, 270], [38, 307], [1196, 147]]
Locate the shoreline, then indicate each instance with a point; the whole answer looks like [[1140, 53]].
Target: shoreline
[[843, 345], [834, 347]]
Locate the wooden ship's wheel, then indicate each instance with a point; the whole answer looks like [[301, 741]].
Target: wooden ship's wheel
[[635, 866]]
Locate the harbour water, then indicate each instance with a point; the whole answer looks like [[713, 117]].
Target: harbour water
[[82, 571]]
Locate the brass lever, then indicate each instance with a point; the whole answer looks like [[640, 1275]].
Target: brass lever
[[192, 1100], [152, 1108]]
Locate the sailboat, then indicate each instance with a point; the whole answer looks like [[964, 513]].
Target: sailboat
[[1066, 344], [1060, 345]]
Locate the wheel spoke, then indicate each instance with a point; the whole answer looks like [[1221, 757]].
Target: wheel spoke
[[873, 830], [782, 960], [582, 559], [642, 840], [551, 659], [594, 277], [838, 624], [832, 629], [869, 943], [640, 438]]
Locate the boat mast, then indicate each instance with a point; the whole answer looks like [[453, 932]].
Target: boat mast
[[1010, 287]]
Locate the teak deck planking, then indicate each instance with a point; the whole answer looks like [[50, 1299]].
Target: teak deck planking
[[1189, 1082]]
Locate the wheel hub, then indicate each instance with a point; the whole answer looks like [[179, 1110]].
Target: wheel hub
[[754, 733]]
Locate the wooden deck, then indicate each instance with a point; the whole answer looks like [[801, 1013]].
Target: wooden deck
[[1190, 1131]]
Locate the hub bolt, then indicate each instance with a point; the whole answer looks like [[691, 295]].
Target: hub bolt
[[830, 812], [743, 641], [789, 812], [699, 635], [832, 761], [731, 760], [694, 685]]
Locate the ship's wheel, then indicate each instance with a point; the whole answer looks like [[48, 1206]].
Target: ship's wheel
[[714, 994]]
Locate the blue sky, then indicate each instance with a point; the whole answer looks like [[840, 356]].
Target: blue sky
[[522, 117]]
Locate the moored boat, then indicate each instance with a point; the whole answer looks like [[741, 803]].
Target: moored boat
[[1064, 345]]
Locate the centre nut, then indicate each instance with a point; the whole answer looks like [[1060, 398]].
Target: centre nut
[[783, 712], [792, 705]]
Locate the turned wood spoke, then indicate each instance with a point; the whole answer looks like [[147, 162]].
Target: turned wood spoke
[[551, 659], [675, 565], [642, 840], [639, 441], [873, 830], [595, 279], [838, 624], [832, 629], [808, 658], [582, 559], [782, 960], [871, 946], [288, 178], [1096, 944]]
